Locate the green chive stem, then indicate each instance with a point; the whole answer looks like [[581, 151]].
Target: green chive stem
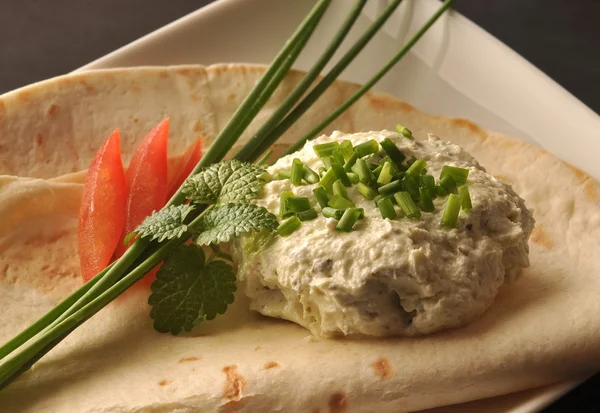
[[386, 208], [408, 206], [348, 220], [321, 195], [297, 172], [451, 211], [289, 226]]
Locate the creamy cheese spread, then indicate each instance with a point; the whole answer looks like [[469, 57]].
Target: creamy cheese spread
[[388, 277]]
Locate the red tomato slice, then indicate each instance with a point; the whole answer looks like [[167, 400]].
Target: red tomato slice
[[189, 160], [146, 180], [102, 211]]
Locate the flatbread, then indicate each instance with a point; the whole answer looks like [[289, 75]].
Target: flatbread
[[542, 329]]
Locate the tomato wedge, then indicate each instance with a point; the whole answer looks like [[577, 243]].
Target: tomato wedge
[[102, 211], [189, 160], [146, 179]]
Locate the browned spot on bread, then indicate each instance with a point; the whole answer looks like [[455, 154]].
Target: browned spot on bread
[[165, 382], [271, 365], [590, 189], [197, 126], [189, 359], [184, 72], [135, 89], [163, 74], [231, 96], [88, 87], [338, 403], [540, 236], [39, 140], [382, 368], [24, 95], [257, 348], [316, 410], [383, 102], [53, 110], [136, 120], [234, 383], [581, 176], [467, 124]]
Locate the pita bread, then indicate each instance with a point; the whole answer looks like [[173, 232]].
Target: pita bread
[[542, 329]]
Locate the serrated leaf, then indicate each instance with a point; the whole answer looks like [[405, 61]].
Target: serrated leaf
[[225, 182], [188, 291], [168, 223], [225, 222]]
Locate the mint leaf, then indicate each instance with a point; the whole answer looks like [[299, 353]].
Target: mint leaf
[[228, 181], [188, 291], [224, 222], [164, 224]]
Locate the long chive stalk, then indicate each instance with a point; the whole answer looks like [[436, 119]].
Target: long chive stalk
[[257, 144], [330, 77], [371, 82], [223, 142]]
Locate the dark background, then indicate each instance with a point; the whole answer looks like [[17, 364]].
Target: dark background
[[44, 38]]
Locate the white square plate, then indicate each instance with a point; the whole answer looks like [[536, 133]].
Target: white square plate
[[456, 69]]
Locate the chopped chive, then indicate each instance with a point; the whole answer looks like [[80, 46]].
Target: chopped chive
[[322, 171], [362, 170], [402, 130], [416, 168], [288, 226], [451, 211], [348, 220], [390, 188], [334, 213], [284, 211], [411, 187], [465, 198], [339, 172], [440, 190], [459, 175], [448, 183], [386, 174], [386, 208], [339, 202], [325, 149], [366, 191], [399, 175], [379, 198], [297, 203], [281, 175], [367, 148], [392, 151], [327, 161], [410, 160], [307, 215], [321, 195], [327, 179], [263, 160], [428, 182], [351, 161], [310, 176], [297, 172], [338, 157], [346, 149], [339, 189], [407, 204], [361, 213], [353, 178], [426, 201], [377, 171]]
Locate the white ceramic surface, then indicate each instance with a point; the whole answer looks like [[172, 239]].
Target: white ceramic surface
[[456, 69]]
